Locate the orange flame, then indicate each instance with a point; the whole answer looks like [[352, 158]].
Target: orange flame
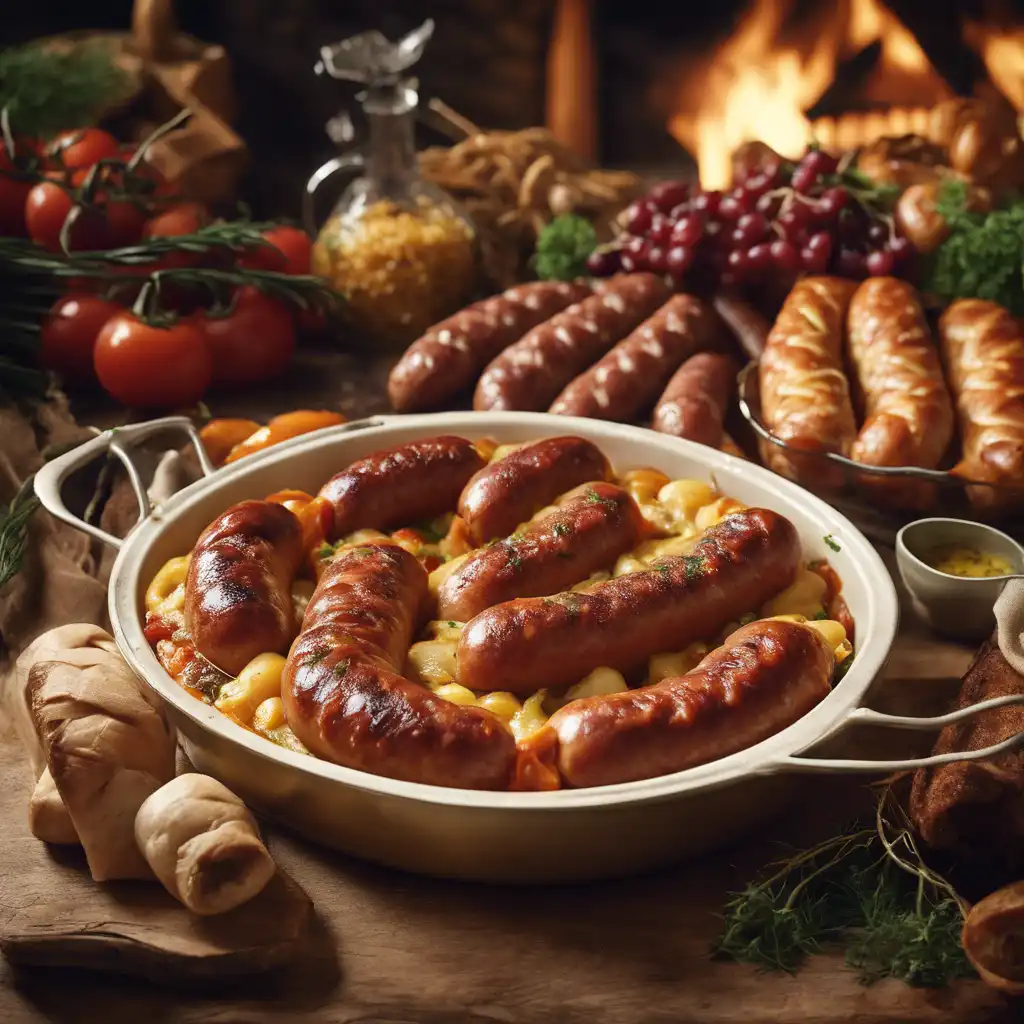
[[754, 89]]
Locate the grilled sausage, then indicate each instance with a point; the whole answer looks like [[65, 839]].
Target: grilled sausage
[[624, 383], [738, 565], [449, 356], [238, 593], [530, 373], [765, 676], [400, 486], [593, 526], [510, 490], [983, 348], [909, 413], [344, 696], [698, 396], [745, 322], [805, 397]]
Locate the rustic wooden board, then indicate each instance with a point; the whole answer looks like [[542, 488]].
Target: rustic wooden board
[[52, 913]]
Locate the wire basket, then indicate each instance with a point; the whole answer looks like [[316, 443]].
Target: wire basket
[[853, 487]]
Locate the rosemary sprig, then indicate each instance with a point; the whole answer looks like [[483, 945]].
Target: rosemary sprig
[[14, 520], [868, 890]]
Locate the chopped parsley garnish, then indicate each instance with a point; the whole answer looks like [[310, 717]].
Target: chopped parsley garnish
[[433, 531], [451, 625], [325, 551], [315, 657], [821, 615], [341, 668], [746, 620], [561, 530], [832, 542], [693, 566]]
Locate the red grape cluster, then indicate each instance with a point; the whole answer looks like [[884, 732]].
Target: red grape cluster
[[777, 221]]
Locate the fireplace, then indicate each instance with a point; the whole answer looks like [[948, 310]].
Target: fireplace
[[681, 89]]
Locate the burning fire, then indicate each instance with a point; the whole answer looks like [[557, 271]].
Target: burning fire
[[758, 87]]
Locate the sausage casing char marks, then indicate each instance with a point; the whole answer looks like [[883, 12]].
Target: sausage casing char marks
[[697, 398], [408, 484], [625, 382], [447, 359], [510, 490], [737, 566], [591, 528], [238, 599], [763, 678], [344, 696], [983, 347], [908, 409], [805, 397], [529, 374]]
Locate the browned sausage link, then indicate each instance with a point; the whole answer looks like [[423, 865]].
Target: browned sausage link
[[593, 526], [737, 565], [510, 490], [447, 359], [401, 486], [344, 696], [624, 384], [238, 594], [697, 399], [529, 374], [764, 677]]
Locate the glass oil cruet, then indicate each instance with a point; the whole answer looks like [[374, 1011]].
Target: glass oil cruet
[[397, 247]]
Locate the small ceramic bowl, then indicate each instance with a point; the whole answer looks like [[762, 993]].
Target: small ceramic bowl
[[957, 606]]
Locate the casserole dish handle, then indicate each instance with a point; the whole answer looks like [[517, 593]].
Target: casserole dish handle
[[118, 441], [866, 716]]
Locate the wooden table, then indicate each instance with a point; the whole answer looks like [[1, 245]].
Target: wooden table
[[397, 949]]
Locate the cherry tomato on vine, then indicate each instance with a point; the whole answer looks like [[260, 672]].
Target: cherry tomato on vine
[[290, 254], [126, 216], [146, 366], [83, 147], [144, 169], [69, 332], [180, 219], [252, 342], [48, 205]]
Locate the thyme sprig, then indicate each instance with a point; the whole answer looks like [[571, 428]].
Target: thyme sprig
[[868, 890]]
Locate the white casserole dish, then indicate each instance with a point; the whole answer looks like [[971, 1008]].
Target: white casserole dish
[[502, 837]]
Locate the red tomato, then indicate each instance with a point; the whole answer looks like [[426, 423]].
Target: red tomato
[[83, 147], [69, 332], [292, 247], [47, 207], [180, 219], [145, 366], [253, 342]]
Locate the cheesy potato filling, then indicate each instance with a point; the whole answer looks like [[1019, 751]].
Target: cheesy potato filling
[[678, 510]]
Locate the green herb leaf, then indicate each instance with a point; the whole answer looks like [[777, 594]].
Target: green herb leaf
[[868, 890], [14, 520], [983, 257], [563, 247], [831, 542], [48, 89]]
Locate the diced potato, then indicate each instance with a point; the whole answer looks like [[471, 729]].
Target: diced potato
[[530, 717], [504, 705], [456, 694], [269, 715], [445, 629], [713, 513], [628, 563], [258, 681], [805, 596], [677, 663], [659, 518], [506, 449], [592, 581], [643, 484], [601, 681], [433, 661], [363, 537], [684, 497], [166, 592], [442, 572], [832, 631]]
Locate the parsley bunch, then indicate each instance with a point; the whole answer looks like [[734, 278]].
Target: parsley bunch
[[983, 258], [563, 247]]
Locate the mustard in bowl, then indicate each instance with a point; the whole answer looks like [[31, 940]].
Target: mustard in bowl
[[954, 570]]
